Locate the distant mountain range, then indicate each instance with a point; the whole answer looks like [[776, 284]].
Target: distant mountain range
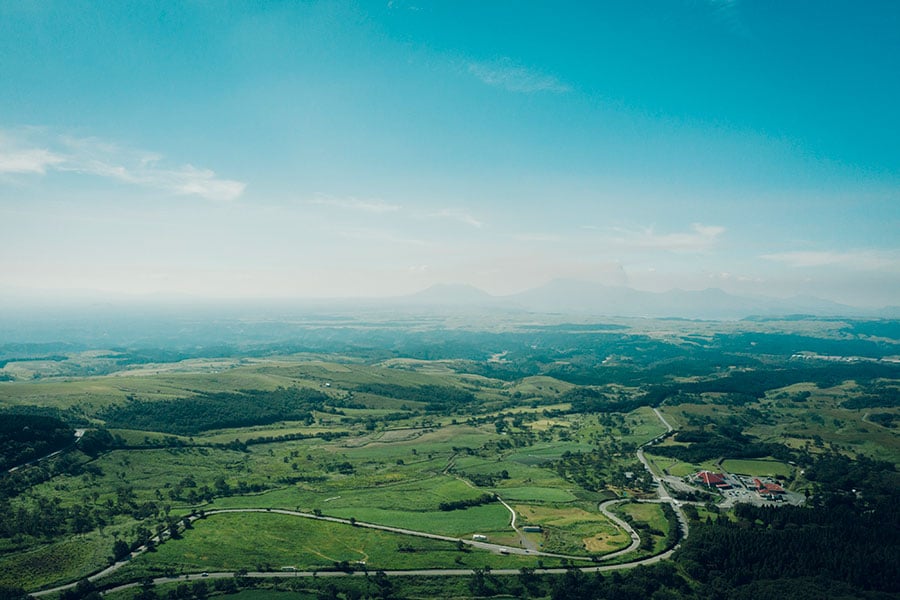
[[560, 296], [582, 297]]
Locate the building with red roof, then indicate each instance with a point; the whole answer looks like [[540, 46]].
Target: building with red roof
[[768, 490], [709, 478]]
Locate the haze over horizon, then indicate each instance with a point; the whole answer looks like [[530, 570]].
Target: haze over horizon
[[373, 149]]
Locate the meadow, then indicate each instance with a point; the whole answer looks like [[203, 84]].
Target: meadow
[[271, 541], [396, 472], [426, 445]]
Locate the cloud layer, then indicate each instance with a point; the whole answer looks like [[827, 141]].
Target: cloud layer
[[506, 74], [865, 260], [35, 152], [700, 238]]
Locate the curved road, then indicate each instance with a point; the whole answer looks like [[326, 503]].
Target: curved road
[[78, 434], [635, 538], [661, 490], [409, 573], [604, 508], [529, 546]]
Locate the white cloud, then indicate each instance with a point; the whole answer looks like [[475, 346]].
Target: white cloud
[[458, 215], [33, 160], [700, 238], [865, 260], [506, 74], [200, 182], [370, 206], [92, 156]]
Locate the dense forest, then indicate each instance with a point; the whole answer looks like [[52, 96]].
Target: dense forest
[[189, 416], [435, 398], [708, 445], [24, 438], [848, 537]]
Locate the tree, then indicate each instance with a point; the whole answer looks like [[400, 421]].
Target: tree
[[199, 590], [385, 587], [120, 550], [476, 585], [13, 593]]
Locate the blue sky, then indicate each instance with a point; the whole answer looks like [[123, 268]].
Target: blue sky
[[285, 149]]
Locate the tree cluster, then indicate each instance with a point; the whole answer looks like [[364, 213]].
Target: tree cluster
[[464, 504], [24, 438], [217, 410], [436, 398]]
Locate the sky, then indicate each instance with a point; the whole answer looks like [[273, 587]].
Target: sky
[[214, 149]]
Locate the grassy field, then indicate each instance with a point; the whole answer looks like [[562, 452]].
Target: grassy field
[[651, 515], [490, 519], [56, 563], [536, 494], [573, 530], [270, 541], [389, 465], [767, 468], [664, 465]]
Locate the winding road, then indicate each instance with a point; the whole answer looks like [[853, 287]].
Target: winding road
[[408, 573], [661, 489], [78, 435], [499, 548]]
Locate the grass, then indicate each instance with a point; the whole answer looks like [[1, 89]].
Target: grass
[[761, 468], [573, 530], [56, 563], [489, 518], [536, 494], [664, 465], [270, 541], [652, 515], [399, 472]]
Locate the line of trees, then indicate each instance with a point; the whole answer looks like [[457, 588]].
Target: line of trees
[[464, 504], [217, 410]]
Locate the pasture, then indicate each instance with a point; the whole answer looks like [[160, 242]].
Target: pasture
[[388, 453], [760, 468], [270, 541]]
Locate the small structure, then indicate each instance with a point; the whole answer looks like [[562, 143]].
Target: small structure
[[479, 538], [709, 478], [532, 529], [769, 491]]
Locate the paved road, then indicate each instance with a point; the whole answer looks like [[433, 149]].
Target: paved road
[[499, 548], [635, 539], [663, 419], [529, 546], [661, 489], [409, 573], [437, 572], [78, 434]]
